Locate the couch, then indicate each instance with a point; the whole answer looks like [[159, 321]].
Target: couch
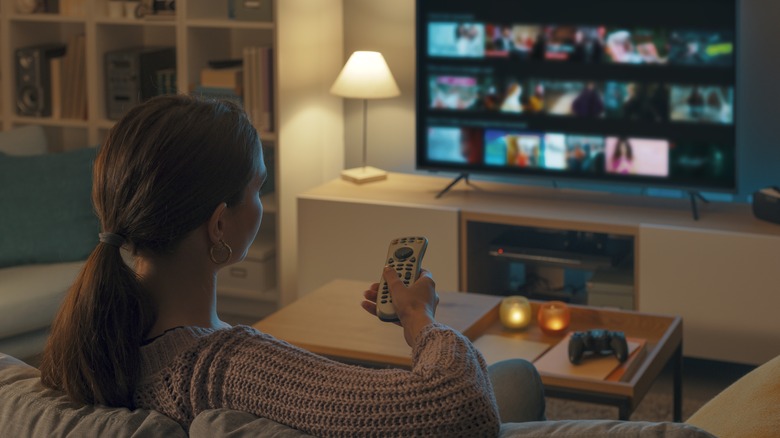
[[746, 408], [46, 230]]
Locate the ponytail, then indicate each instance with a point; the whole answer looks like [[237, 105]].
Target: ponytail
[[93, 350], [156, 178]]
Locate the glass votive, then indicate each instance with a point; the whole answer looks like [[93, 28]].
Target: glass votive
[[554, 317], [515, 312]]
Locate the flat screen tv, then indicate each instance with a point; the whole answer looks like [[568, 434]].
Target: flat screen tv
[[613, 91]]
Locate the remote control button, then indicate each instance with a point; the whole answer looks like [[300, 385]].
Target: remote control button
[[390, 260], [384, 301], [413, 259], [403, 253], [408, 275]]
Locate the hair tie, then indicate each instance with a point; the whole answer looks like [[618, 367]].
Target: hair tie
[[112, 239]]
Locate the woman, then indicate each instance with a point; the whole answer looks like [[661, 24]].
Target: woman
[[178, 183], [623, 157]]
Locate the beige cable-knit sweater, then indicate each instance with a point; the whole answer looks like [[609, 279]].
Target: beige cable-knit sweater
[[447, 392]]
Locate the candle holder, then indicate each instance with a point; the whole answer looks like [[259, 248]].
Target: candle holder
[[515, 312], [554, 317]]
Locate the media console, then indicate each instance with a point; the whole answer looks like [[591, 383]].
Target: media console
[[718, 273]]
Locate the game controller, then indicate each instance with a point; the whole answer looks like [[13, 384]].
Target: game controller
[[599, 342]]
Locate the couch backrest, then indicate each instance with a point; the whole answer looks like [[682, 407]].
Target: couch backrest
[[30, 409]]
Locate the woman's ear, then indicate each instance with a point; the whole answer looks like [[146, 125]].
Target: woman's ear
[[216, 223]]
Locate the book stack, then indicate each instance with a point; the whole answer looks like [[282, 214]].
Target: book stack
[[556, 361], [222, 83], [258, 86], [69, 81]]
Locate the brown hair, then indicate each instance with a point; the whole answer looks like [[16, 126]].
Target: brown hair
[[164, 168]]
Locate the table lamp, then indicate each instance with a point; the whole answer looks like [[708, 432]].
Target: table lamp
[[365, 76]]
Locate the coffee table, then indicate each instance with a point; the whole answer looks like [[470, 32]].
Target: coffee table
[[329, 321]]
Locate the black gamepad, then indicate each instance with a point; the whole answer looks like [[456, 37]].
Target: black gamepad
[[600, 342]]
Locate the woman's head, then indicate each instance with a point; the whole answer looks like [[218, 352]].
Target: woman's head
[[168, 167], [623, 149]]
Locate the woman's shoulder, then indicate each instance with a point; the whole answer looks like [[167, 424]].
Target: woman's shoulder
[[188, 342]]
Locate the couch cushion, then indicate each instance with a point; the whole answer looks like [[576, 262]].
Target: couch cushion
[[30, 409], [235, 424], [748, 407], [31, 294], [47, 209], [25, 140], [600, 428]]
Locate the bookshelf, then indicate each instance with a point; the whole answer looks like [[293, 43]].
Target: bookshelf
[[306, 38]]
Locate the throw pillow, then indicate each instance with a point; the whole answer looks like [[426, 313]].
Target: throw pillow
[[47, 208]]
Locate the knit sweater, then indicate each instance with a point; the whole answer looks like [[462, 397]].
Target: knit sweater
[[447, 392]]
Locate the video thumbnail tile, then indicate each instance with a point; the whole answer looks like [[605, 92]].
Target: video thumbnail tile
[[637, 156], [457, 40]]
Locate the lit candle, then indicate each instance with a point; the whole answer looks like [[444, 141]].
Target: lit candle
[[515, 312], [554, 317]]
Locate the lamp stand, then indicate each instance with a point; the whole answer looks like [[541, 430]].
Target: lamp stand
[[364, 174]]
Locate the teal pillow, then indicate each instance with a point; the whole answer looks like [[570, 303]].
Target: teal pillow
[[46, 206]]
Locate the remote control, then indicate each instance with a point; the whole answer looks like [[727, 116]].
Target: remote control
[[405, 255]]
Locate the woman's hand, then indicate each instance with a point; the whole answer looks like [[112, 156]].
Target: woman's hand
[[415, 305]]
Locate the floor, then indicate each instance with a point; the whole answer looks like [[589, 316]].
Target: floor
[[702, 380]]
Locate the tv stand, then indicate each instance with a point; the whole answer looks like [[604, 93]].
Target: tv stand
[[462, 176], [711, 273], [694, 206]]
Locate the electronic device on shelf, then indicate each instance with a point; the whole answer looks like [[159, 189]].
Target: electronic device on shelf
[[562, 248], [598, 342], [33, 79], [766, 204], [131, 76], [405, 255], [639, 93]]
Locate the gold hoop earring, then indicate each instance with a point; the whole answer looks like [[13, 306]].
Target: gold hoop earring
[[222, 247]]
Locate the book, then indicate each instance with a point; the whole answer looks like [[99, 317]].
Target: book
[[232, 77], [258, 86], [496, 348], [74, 79], [556, 361], [55, 74]]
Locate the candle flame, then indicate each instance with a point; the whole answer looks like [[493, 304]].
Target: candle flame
[[555, 324]]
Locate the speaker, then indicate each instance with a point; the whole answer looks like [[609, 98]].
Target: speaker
[[766, 204], [33, 79]]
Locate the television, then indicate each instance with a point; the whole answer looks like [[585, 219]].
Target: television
[[611, 91]]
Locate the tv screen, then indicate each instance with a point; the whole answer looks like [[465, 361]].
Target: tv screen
[[617, 91]]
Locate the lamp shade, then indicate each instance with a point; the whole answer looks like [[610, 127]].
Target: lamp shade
[[365, 76]]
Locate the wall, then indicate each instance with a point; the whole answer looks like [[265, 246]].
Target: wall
[[388, 27]]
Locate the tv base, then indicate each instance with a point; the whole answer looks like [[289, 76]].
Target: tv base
[[694, 206], [362, 175], [462, 176]]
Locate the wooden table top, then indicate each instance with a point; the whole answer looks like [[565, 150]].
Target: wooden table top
[[330, 321]]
